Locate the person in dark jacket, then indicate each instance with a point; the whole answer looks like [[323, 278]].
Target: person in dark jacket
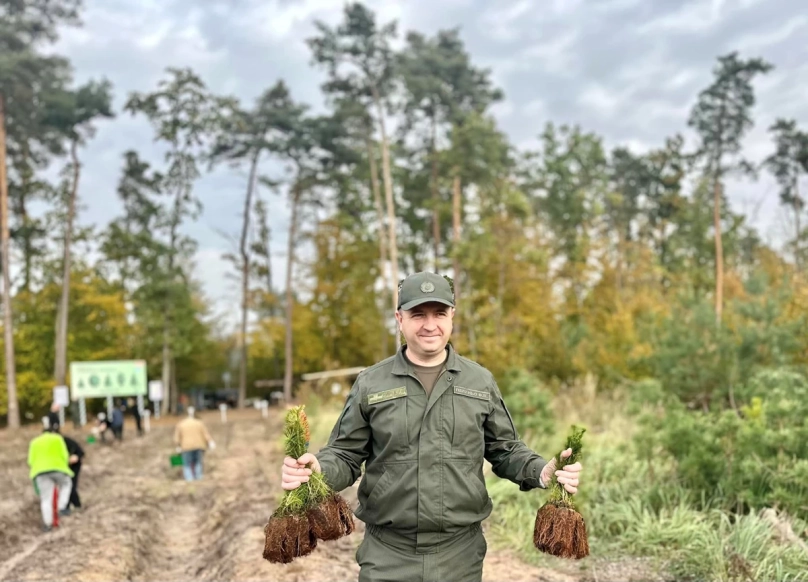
[[117, 421], [136, 415], [53, 414], [76, 455]]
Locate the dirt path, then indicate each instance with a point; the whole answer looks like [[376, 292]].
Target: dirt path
[[142, 522]]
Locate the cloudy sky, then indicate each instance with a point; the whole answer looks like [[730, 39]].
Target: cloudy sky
[[627, 69]]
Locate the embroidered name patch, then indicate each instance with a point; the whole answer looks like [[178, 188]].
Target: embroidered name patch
[[472, 393], [387, 395]]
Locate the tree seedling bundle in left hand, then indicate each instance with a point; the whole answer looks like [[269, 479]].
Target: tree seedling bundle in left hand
[[560, 530]]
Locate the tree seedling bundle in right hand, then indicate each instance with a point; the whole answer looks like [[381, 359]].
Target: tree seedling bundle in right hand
[[312, 511]]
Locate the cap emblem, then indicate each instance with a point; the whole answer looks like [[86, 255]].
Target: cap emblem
[[427, 287]]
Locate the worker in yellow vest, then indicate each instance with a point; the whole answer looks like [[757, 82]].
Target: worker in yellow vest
[[49, 462]]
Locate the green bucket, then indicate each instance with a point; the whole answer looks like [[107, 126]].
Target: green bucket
[[91, 439], [176, 460]]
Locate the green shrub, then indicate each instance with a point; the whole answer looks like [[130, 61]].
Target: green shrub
[[755, 458], [529, 403], [685, 490]]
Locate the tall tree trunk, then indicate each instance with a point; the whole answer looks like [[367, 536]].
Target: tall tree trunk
[[174, 390], [719, 252], [500, 299], [245, 281], [377, 202], [27, 234], [797, 224], [290, 260], [456, 217], [621, 252], [166, 372], [60, 367], [168, 307], [8, 332], [457, 210], [435, 195], [388, 193]]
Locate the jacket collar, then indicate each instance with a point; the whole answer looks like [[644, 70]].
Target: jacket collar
[[402, 368]]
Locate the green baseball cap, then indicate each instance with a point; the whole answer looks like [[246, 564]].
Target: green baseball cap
[[423, 288]]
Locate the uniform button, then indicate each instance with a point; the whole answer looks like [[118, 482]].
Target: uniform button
[[449, 378]]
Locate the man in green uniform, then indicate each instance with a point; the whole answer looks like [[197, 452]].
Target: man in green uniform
[[422, 421]]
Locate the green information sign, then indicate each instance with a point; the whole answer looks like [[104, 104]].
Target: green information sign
[[110, 378]]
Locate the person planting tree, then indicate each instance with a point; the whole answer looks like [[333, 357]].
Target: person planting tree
[[422, 421]]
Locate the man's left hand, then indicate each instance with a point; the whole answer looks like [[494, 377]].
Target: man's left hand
[[568, 476]]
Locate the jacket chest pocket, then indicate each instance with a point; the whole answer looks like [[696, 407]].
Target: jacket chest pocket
[[388, 421], [469, 410]]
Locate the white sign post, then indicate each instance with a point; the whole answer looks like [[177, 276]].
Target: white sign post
[[156, 395], [264, 408], [82, 412], [110, 406], [223, 410], [146, 417], [61, 396]]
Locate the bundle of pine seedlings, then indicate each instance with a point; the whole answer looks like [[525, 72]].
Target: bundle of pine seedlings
[[312, 511], [560, 530]]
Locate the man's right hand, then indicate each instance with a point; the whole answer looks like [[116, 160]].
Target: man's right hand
[[296, 472]]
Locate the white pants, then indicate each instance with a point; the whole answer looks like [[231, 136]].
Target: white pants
[[46, 483]]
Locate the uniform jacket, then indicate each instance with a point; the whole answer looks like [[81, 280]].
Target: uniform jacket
[[48, 453], [424, 456]]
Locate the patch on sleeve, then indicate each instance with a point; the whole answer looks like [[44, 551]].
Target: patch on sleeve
[[472, 393], [387, 395]]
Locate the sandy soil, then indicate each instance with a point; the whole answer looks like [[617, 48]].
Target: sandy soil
[[142, 522]]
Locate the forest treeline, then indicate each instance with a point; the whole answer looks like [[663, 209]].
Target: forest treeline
[[569, 261]]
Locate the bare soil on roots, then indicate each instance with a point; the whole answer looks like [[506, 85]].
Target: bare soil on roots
[[142, 522]]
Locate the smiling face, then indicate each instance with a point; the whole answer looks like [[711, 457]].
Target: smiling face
[[427, 329]]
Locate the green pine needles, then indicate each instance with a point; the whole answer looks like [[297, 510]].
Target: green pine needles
[[296, 436], [560, 530], [558, 494], [309, 513]]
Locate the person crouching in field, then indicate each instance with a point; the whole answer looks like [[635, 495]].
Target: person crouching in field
[[49, 462], [192, 438], [101, 427]]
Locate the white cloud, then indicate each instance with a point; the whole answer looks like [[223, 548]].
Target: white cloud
[[275, 20], [612, 6], [535, 108], [215, 274], [503, 110], [694, 16], [760, 40], [501, 21], [566, 6], [153, 38], [596, 97]]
